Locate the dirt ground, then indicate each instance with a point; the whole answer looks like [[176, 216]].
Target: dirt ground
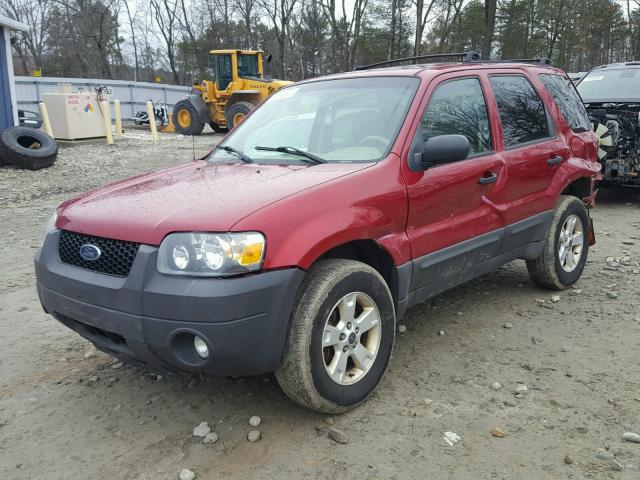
[[68, 412]]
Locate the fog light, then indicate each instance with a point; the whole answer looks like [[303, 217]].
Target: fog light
[[201, 348]]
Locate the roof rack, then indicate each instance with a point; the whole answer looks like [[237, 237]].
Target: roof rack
[[464, 56], [540, 60]]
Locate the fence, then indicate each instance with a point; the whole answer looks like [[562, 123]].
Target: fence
[[133, 96]]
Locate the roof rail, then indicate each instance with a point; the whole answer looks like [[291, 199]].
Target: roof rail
[[464, 56], [540, 60]]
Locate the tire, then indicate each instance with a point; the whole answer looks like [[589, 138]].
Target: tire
[[235, 111], [304, 375], [217, 128], [185, 118], [27, 148], [547, 270]]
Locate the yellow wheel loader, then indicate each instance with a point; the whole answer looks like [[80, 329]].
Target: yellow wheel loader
[[239, 84]]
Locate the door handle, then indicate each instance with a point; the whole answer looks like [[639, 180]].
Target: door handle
[[555, 160], [484, 180]]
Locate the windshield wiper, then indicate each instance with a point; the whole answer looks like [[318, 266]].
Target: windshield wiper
[[238, 153], [313, 158]]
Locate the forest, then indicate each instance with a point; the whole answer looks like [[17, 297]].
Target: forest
[[170, 40]]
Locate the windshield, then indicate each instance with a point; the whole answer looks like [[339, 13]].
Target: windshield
[[611, 85], [248, 65], [345, 120]]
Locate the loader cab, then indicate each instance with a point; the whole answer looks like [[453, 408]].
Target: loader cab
[[229, 65]]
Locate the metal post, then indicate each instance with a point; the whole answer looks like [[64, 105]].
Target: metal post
[[106, 118], [133, 102], [152, 121], [46, 123], [118, 114]]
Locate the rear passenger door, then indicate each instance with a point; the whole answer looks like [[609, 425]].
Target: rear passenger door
[[532, 152], [451, 224]]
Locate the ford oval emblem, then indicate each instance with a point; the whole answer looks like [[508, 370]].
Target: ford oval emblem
[[90, 253]]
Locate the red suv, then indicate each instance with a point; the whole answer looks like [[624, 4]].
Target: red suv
[[296, 245]]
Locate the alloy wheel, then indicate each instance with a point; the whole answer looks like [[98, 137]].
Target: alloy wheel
[[571, 243], [351, 338]]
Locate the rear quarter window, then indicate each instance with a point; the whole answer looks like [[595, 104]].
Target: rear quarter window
[[568, 101]]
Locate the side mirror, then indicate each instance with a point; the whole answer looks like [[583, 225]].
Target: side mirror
[[441, 149]]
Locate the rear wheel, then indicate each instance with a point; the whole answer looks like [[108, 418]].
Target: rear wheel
[[236, 113], [566, 247], [185, 118], [341, 337]]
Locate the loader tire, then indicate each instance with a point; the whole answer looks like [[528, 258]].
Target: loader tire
[[185, 118], [236, 113], [27, 148]]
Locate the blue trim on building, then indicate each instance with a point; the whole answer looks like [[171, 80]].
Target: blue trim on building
[[6, 113]]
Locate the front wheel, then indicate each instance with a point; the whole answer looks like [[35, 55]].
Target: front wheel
[[566, 246], [341, 336], [185, 118]]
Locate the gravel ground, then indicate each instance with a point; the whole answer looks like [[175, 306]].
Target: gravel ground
[[494, 379]]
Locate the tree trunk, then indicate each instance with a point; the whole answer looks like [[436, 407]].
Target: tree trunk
[[392, 43], [417, 45], [489, 27], [136, 71]]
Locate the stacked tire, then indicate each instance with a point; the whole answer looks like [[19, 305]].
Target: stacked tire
[[27, 148]]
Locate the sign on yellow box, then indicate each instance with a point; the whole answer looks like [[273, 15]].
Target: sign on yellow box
[[158, 79]]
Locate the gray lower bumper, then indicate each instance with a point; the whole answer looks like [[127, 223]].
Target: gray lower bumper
[[150, 318]]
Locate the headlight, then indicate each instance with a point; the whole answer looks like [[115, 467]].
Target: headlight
[[211, 254], [50, 225]]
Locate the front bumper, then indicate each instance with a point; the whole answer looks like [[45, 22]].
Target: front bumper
[[149, 318]]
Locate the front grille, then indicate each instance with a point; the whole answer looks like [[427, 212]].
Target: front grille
[[115, 259]]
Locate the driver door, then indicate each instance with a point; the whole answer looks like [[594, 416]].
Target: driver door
[[224, 72]]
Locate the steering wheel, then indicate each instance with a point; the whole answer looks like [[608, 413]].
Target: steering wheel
[[374, 141]]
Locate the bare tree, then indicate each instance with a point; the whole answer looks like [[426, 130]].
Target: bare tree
[[89, 25], [345, 29], [280, 13], [489, 27], [248, 9], [222, 10], [36, 14], [165, 13], [422, 16], [132, 18]]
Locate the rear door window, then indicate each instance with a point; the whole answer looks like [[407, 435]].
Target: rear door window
[[568, 101], [522, 112], [458, 107]]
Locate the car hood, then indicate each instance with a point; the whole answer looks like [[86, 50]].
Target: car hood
[[198, 196]]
